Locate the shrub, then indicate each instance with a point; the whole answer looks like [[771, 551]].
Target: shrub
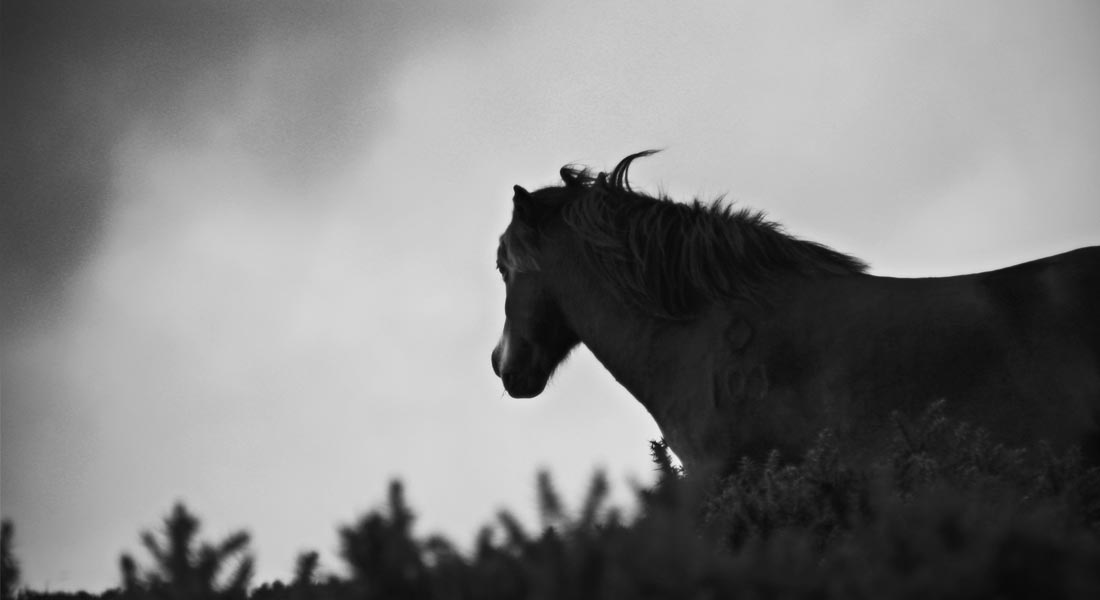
[[944, 513], [183, 571], [9, 567]]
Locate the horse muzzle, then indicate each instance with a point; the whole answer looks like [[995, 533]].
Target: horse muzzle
[[524, 381], [523, 385]]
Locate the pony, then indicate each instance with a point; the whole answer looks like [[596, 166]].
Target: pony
[[739, 338]]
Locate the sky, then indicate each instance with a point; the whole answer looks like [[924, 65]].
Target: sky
[[247, 248]]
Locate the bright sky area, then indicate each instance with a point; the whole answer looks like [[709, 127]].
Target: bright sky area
[[249, 246]]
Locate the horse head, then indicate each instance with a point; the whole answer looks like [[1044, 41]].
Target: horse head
[[536, 337]]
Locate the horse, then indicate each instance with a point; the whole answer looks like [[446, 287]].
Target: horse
[[739, 338]]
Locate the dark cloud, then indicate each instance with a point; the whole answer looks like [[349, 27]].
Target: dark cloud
[[77, 76]]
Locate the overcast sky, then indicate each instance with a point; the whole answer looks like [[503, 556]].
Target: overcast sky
[[247, 248]]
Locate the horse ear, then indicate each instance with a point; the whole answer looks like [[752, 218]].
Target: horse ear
[[525, 206]]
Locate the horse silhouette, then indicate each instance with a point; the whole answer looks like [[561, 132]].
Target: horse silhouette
[[739, 338]]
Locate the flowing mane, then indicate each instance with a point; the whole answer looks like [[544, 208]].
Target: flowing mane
[[671, 259]]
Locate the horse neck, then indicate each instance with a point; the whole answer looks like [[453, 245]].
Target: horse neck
[[653, 358], [621, 340]]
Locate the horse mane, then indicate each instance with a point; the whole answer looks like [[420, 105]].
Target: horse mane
[[671, 259]]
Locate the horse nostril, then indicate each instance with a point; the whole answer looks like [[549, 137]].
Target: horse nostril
[[493, 359]]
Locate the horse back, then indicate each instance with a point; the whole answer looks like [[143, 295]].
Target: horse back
[[1015, 350], [1059, 293]]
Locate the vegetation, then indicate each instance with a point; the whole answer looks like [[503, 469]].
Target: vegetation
[[9, 568], [946, 513], [182, 571]]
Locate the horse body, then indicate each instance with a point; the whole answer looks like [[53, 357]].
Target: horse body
[[803, 340], [845, 352]]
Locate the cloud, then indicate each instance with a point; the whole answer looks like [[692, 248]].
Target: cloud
[[296, 85], [172, 252]]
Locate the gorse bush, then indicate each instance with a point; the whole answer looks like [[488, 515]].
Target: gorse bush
[[183, 571], [944, 513], [9, 568]]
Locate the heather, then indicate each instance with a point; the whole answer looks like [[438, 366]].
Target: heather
[[945, 512]]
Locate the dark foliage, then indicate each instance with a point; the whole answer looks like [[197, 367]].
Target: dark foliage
[[384, 559], [183, 571], [9, 567], [946, 513]]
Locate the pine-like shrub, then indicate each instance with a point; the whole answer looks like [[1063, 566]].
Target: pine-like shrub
[[944, 513]]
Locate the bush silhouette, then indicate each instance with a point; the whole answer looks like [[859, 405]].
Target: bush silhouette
[[384, 559], [182, 570], [945, 513], [9, 567]]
